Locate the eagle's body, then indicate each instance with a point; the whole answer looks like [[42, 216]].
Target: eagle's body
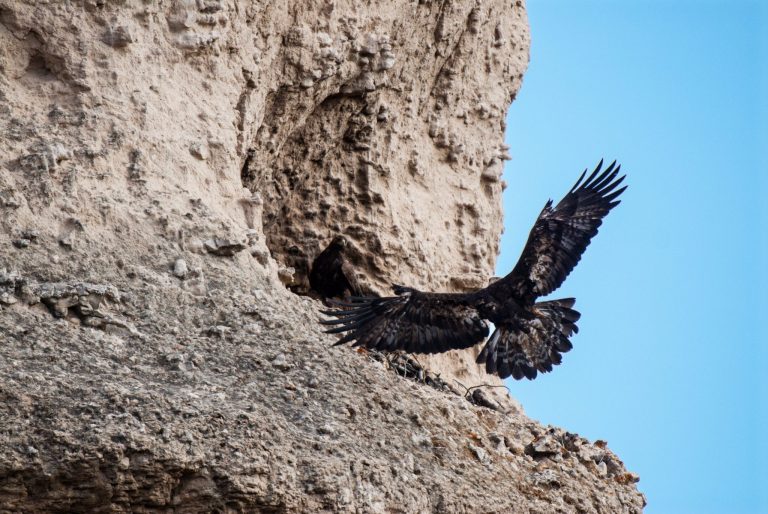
[[530, 336], [331, 275]]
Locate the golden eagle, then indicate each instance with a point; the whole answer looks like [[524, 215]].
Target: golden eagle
[[530, 336], [331, 274]]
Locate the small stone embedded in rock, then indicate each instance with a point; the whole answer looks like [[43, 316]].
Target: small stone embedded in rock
[[421, 440], [92, 321], [515, 447], [195, 246], [323, 39], [371, 46], [180, 268], [223, 247], [252, 236], [46, 157], [387, 61], [175, 361], [601, 468], [367, 82], [253, 328], [196, 42], [21, 243], [66, 242], [326, 430], [499, 442], [281, 363], [546, 477], [200, 150], [285, 274], [32, 235], [9, 198], [474, 20], [544, 445], [483, 399], [628, 478], [118, 37], [8, 298], [481, 454], [218, 330]]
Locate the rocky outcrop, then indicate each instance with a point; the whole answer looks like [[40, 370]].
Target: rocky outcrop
[[367, 134], [166, 168]]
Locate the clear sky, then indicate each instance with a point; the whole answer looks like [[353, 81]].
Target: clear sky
[[670, 363]]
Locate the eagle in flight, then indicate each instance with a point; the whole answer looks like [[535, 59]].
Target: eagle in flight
[[529, 336]]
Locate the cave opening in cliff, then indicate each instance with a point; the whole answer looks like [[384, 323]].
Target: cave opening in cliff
[[312, 177]]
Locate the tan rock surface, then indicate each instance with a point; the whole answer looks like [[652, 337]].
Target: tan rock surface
[[163, 166]]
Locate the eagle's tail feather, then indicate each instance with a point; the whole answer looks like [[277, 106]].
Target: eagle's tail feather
[[524, 348]]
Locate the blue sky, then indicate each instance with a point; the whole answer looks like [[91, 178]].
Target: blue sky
[[669, 365]]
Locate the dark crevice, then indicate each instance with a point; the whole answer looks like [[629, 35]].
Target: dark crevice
[[245, 176], [288, 163]]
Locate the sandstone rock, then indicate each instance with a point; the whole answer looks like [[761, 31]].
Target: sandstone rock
[[200, 150], [118, 37], [180, 268], [125, 389], [223, 247]]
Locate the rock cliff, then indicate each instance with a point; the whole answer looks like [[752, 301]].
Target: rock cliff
[[166, 170]]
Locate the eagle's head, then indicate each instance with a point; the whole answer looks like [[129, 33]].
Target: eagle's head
[[339, 243]]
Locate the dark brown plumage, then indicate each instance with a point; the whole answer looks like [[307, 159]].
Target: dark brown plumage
[[331, 275], [530, 336]]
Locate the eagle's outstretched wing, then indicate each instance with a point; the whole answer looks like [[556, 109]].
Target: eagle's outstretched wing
[[560, 235], [412, 321], [529, 337]]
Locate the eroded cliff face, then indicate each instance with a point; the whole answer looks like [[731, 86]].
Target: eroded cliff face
[[385, 123], [165, 169]]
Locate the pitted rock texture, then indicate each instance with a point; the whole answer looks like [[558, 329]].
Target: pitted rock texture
[[233, 402], [387, 126], [166, 169]]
